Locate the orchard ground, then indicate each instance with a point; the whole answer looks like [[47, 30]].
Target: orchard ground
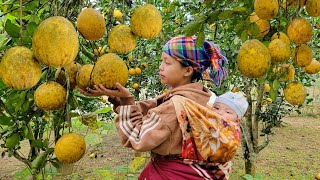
[[293, 153]]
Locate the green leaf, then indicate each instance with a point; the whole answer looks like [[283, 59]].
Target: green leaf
[[248, 177], [239, 27], [274, 90], [37, 143], [34, 18], [4, 120], [3, 38], [192, 28], [225, 15], [103, 110], [46, 143], [239, 10], [200, 39], [254, 29], [26, 38], [208, 3], [244, 35], [24, 131], [4, 48], [31, 28], [213, 17], [40, 160], [137, 163], [258, 177], [283, 22], [93, 139], [22, 175], [266, 43], [12, 29]]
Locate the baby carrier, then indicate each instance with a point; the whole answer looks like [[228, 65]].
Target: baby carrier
[[207, 136]]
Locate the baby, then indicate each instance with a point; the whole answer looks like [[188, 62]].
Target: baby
[[231, 106]]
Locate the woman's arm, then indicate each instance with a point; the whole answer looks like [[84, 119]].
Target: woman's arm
[[142, 132]]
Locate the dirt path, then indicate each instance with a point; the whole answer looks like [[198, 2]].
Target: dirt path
[[293, 152]]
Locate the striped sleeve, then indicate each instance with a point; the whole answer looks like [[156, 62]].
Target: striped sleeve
[[138, 131]]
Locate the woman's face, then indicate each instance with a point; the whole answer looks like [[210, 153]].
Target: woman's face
[[171, 71]]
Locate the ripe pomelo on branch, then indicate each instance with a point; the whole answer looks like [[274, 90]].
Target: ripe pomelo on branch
[[294, 3], [254, 59], [72, 70], [117, 14], [267, 87], [299, 31], [282, 36], [295, 93], [84, 76], [302, 55], [146, 21], [287, 72], [313, 67], [19, 68], [266, 9], [313, 8], [263, 25], [121, 39], [279, 50], [50, 96], [55, 42], [70, 148], [108, 70], [91, 24]]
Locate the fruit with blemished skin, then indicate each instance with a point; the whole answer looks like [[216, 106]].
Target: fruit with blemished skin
[[146, 21], [83, 78], [295, 93], [299, 31], [121, 39], [91, 24], [50, 96], [55, 42], [282, 36], [19, 68], [253, 59], [302, 55], [313, 67], [70, 148], [108, 70], [266, 9], [263, 25], [313, 8]]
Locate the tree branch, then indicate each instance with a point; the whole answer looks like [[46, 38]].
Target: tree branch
[[263, 145], [22, 159], [255, 123], [246, 135]]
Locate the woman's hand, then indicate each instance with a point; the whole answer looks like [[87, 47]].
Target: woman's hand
[[100, 90]]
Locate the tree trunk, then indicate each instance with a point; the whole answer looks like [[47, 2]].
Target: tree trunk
[[249, 158]]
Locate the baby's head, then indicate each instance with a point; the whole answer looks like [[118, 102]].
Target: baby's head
[[231, 106]]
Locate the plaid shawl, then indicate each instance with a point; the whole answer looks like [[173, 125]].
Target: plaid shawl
[[206, 57]]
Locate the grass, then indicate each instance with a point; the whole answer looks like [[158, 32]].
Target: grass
[[293, 152]]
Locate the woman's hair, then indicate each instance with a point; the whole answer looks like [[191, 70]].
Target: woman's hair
[[196, 76], [207, 57]]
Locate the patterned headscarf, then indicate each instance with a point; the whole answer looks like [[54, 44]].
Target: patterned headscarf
[[183, 49]]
